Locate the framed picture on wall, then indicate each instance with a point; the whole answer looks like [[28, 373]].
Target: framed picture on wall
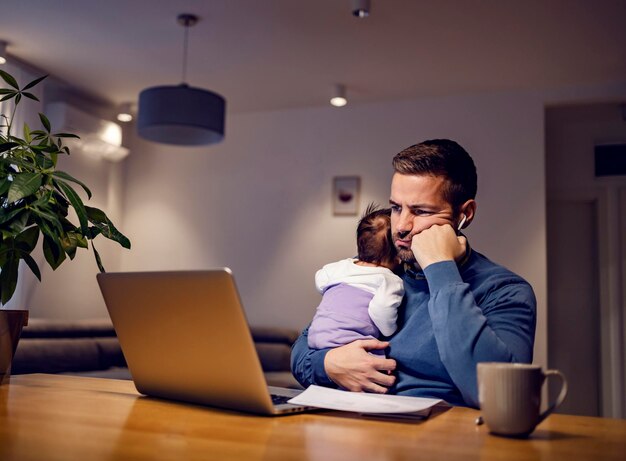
[[346, 195]]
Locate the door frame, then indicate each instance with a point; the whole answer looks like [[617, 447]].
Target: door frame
[[611, 215]]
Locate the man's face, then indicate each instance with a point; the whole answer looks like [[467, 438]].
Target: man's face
[[417, 202]]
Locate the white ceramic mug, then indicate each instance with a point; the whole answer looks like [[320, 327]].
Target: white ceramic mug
[[510, 396]]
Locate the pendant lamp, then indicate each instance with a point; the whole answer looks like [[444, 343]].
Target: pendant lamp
[[181, 115]]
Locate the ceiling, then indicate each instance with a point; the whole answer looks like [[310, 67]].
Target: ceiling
[[276, 54]]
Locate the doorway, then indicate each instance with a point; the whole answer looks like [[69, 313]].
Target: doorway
[[586, 249], [574, 303]]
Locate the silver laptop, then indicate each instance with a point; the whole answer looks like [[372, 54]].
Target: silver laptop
[[185, 337]]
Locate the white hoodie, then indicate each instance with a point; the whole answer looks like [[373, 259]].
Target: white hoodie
[[386, 286]]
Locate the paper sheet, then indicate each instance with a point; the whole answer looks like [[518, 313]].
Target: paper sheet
[[334, 399]]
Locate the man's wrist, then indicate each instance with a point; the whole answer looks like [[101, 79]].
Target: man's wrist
[[320, 377], [431, 261], [442, 273]]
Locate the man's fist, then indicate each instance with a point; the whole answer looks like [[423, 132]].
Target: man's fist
[[438, 243]]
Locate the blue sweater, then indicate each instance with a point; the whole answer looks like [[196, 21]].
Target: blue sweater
[[452, 317]]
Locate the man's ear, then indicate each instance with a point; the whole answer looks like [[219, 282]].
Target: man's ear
[[468, 209]]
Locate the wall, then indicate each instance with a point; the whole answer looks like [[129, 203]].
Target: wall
[[260, 202]]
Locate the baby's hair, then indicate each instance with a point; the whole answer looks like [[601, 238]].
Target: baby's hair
[[373, 236]]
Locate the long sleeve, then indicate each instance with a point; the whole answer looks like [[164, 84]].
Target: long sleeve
[[307, 365], [322, 278], [501, 329], [383, 308]]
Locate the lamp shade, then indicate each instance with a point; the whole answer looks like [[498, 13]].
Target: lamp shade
[[181, 115]]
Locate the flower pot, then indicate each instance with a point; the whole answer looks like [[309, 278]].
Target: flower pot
[[11, 323]]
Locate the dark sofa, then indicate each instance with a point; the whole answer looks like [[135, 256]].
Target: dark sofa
[[90, 348]]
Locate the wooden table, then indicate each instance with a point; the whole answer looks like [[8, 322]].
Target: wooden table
[[51, 417]]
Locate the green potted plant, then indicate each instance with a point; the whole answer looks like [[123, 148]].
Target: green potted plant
[[35, 201]]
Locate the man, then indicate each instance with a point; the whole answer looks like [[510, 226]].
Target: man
[[459, 307]]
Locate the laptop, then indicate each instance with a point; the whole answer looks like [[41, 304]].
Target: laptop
[[185, 337]]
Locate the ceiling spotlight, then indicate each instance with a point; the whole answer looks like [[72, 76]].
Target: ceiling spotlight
[[181, 114], [361, 8], [125, 113], [339, 99], [3, 51]]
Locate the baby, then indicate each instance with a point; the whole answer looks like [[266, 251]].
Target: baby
[[360, 296]]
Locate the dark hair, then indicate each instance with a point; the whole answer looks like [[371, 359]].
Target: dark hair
[[441, 157], [373, 235]]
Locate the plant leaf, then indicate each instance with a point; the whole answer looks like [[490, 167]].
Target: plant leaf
[[98, 260], [106, 227], [30, 96], [17, 223], [45, 218], [9, 79], [5, 217], [69, 246], [5, 253], [45, 122], [24, 184], [27, 240], [76, 202], [60, 201], [8, 281], [53, 252], [71, 241], [67, 177], [93, 232], [33, 83], [96, 216], [27, 136], [44, 162], [7, 146], [4, 187], [14, 161], [28, 259], [66, 135]]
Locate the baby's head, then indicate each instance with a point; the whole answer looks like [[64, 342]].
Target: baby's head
[[373, 237]]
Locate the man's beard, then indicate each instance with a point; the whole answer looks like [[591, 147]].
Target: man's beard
[[405, 254]]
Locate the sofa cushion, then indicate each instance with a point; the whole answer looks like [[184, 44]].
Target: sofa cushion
[[90, 346], [274, 335], [274, 356], [75, 354], [282, 379], [47, 328]]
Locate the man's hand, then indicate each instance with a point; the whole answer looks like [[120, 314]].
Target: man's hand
[[352, 368], [438, 243]]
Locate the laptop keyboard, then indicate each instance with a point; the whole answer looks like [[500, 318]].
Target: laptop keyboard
[[278, 399]]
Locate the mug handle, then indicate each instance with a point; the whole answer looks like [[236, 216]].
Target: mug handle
[[559, 400]]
